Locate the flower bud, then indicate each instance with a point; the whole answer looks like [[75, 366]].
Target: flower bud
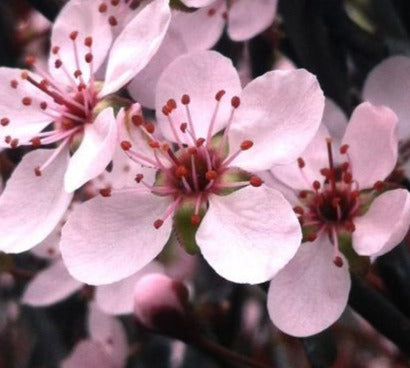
[[161, 304]]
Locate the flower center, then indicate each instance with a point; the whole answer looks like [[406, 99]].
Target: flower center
[[190, 172]]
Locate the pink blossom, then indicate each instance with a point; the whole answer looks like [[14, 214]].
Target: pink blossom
[[203, 28], [80, 108], [246, 232], [341, 200]]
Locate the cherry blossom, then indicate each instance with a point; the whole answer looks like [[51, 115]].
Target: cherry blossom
[[203, 28], [215, 137], [341, 200], [81, 108]]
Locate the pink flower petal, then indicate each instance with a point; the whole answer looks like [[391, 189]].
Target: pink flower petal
[[80, 16], [109, 239], [24, 121], [95, 151], [197, 3], [310, 293], [50, 286], [136, 45], [334, 119], [88, 353], [280, 112], [32, 206], [49, 247], [384, 225], [315, 158], [389, 84], [247, 18], [118, 297], [371, 136], [201, 75], [142, 88], [202, 29], [249, 235], [110, 333]]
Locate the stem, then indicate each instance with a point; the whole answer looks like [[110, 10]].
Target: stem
[[221, 353], [380, 313]]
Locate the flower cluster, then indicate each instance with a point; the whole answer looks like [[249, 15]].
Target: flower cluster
[[268, 182]]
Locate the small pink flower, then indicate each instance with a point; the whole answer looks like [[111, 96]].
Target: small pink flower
[[245, 19], [245, 232], [70, 97], [338, 183]]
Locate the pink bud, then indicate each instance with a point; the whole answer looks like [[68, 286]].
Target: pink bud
[[161, 304]]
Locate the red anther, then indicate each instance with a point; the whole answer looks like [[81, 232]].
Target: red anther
[[154, 144], [200, 142], [81, 87], [73, 35], [245, 145], [37, 171], [158, 223], [171, 104], [235, 102], [88, 41], [325, 172], [165, 110], [195, 220], [181, 171], [316, 185], [58, 63], [55, 50], [301, 162], [347, 178], [344, 148], [112, 21], [137, 120], [211, 175], [67, 123], [378, 186], [26, 101], [102, 8], [77, 73], [14, 143], [105, 192], [126, 145], [139, 177], [211, 12], [303, 194], [30, 60], [255, 181], [5, 121], [350, 226], [219, 95], [298, 210], [36, 142], [43, 105], [24, 74], [7, 139], [150, 127], [338, 261], [311, 237], [225, 15], [183, 127], [344, 166], [88, 57], [192, 150], [14, 84], [185, 99], [115, 2]]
